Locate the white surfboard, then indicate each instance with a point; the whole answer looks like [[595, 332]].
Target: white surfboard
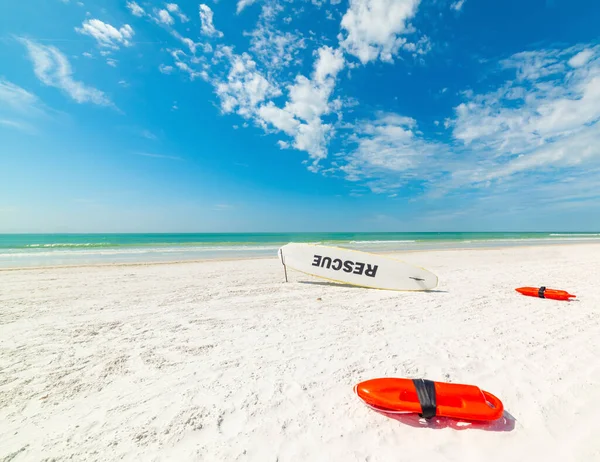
[[355, 267]]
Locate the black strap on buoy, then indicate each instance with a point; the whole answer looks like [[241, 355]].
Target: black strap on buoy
[[541, 292], [426, 394]]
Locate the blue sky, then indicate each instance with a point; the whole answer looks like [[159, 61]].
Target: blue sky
[[299, 115]]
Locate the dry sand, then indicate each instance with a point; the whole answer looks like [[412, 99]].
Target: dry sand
[[223, 361]]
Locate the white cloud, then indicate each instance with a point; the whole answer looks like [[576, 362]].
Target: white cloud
[[420, 47], [184, 67], [581, 58], [313, 137], [135, 9], [53, 69], [105, 34], [568, 151], [533, 65], [163, 16], [241, 4], [245, 87], [111, 62], [308, 101], [548, 117], [547, 100], [274, 48], [329, 63], [193, 46], [457, 6], [250, 93], [206, 22], [281, 119], [389, 148], [373, 27], [174, 8], [165, 69]]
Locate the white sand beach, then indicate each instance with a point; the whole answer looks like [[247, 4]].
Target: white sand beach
[[224, 361]]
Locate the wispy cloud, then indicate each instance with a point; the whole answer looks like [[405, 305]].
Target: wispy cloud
[[457, 5], [106, 35], [545, 118], [193, 62], [158, 156], [18, 107], [548, 116], [223, 207], [241, 4], [390, 151], [165, 69], [148, 135], [53, 69], [163, 17], [206, 22], [274, 48], [18, 99], [18, 125], [174, 8], [135, 9]]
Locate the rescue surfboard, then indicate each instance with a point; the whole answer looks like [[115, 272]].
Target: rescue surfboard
[[356, 267]]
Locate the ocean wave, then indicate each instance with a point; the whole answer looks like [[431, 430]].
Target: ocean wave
[[576, 234], [28, 253], [382, 242], [69, 245], [526, 239]]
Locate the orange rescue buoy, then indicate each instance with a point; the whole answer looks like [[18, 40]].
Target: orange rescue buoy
[[429, 398], [542, 292]]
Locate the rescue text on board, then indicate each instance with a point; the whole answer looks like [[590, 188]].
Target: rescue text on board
[[348, 266]]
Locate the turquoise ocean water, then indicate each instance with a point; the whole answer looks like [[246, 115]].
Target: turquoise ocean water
[[26, 250]]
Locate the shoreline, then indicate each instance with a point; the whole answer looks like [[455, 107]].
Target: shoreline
[[263, 257]]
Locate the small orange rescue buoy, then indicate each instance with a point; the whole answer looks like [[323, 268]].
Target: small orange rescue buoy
[[429, 398], [542, 292]]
